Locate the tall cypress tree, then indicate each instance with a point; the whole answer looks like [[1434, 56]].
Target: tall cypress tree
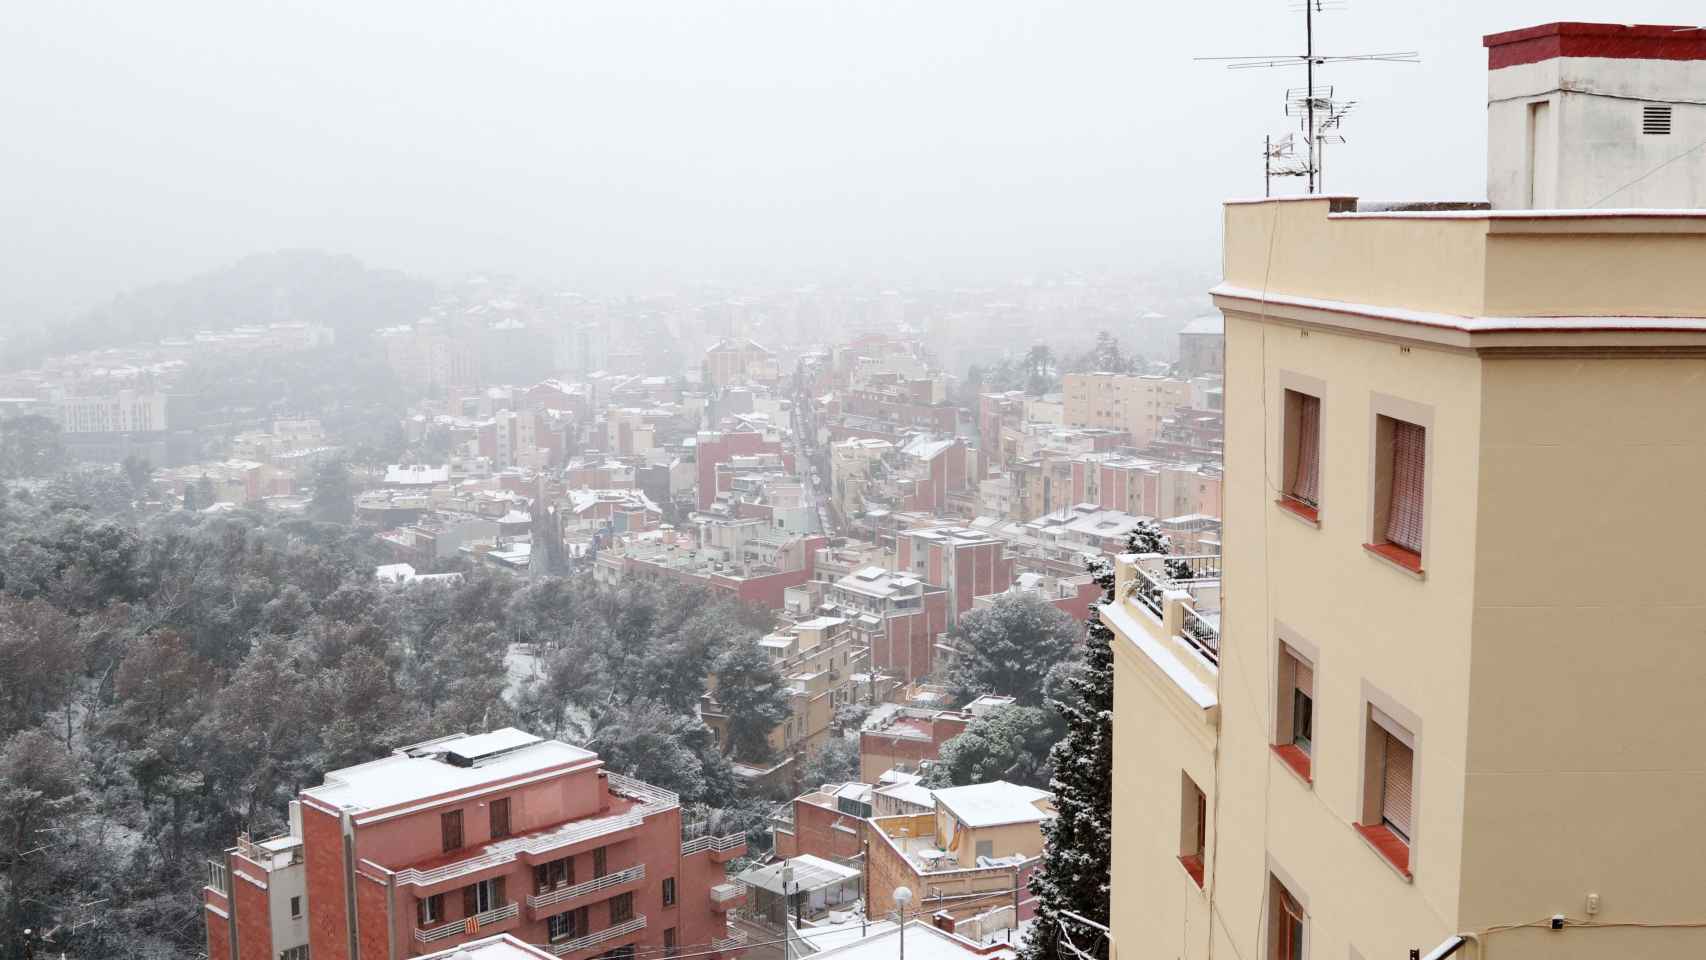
[[1078, 844]]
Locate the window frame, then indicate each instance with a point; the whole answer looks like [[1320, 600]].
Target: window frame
[[1383, 717], [1386, 414], [296, 907], [1193, 828], [600, 862], [1292, 387], [669, 891], [1285, 926], [500, 825], [1292, 653], [450, 828], [1301, 436], [429, 910], [621, 908]]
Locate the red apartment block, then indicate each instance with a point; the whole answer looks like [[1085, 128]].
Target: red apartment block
[[457, 839], [713, 448], [967, 563], [906, 739]]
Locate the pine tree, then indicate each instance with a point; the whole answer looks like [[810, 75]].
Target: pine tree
[[1077, 849]]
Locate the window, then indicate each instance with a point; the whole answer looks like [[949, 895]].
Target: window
[[1389, 776], [500, 818], [430, 910], [1288, 924], [1400, 490], [483, 896], [450, 825], [557, 873], [621, 908], [294, 953], [567, 925], [295, 907], [600, 864], [1302, 478], [1655, 119], [1294, 735], [669, 947], [669, 891], [1193, 827]]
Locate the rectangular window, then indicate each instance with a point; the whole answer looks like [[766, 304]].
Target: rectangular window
[[500, 818], [600, 863], [295, 907], [483, 896], [1389, 788], [450, 826], [294, 953], [1400, 491], [567, 925], [1193, 827], [669, 891], [1303, 453], [1288, 924], [621, 908], [669, 947], [557, 873], [430, 910], [1294, 727]]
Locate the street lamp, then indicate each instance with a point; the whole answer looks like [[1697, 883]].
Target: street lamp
[[902, 897]]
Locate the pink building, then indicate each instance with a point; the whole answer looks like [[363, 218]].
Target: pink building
[[456, 839]]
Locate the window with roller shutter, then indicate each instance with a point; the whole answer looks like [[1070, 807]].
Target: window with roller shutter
[[1388, 819], [1398, 530], [1395, 787]]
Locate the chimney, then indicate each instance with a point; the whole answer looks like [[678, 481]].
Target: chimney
[[1596, 115]]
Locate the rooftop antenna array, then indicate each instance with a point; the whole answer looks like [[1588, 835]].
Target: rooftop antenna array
[[1319, 113]]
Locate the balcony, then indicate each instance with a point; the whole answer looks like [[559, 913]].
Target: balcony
[[722, 849], [727, 896], [1170, 615], [651, 800], [478, 923], [562, 895], [591, 940], [733, 941]]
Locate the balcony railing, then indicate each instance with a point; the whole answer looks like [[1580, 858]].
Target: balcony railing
[[594, 939], [725, 894], [732, 942], [218, 877], [654, 800], [717, 844], [561, 894], [1200, 633], [455, 927]]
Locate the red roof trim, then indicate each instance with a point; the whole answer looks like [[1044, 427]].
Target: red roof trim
[[1608, 40]]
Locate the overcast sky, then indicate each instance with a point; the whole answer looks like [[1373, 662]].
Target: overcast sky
[[615, 142]]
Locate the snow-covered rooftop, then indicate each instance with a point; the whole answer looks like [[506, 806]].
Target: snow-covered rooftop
[[501, 947], [423, 770], [924, 941], [996, 804]]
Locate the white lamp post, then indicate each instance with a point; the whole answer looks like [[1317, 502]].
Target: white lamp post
[[902, 897]]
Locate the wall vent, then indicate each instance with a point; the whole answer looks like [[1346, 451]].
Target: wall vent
[[1655, 119]]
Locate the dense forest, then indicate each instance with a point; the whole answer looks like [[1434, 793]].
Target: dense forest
[[174, 679]]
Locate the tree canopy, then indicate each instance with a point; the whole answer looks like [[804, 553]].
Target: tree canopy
[[1009, 646]]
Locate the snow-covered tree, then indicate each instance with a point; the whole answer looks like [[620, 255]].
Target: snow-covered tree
[[1077, 844], [751, 695], [1009, 646]]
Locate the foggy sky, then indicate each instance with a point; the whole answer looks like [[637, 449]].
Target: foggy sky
[[622, 142]]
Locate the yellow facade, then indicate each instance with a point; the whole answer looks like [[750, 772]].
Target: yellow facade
[[1547, 657], [1117, 401]]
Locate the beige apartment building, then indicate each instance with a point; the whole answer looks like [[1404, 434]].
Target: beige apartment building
[[1451, 697], [1118, 401]]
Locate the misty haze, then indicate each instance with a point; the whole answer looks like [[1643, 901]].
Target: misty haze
[[749, 480]]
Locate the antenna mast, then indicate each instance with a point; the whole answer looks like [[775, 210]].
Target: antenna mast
[[1314, 135]]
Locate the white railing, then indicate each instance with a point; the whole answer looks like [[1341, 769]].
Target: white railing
[[653, 800], [594, 939], [1200, 633], [731, 942], [719, 844], [727, 893], [217, 877], [594, 885], [455, 927]]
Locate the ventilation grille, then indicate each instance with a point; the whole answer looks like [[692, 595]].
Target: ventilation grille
[[1655, 120]]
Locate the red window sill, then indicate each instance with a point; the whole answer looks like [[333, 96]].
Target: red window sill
[[1398, 556], [1300, 510], [1294, 758], [1391, 847], [1193, 866]]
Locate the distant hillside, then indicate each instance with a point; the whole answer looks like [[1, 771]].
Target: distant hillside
[[291, 285]]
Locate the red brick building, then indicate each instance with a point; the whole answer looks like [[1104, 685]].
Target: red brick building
[[966, 563], [896, 615], [456, 839], [905, 739], [712, 448]]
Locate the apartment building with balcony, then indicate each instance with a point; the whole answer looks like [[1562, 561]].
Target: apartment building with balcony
[[897, 616], [1453, 696], [821, 662], [462, 837], [975, 850]]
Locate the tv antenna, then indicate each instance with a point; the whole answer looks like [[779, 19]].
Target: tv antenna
[[1279, 159], [1310, 60]]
